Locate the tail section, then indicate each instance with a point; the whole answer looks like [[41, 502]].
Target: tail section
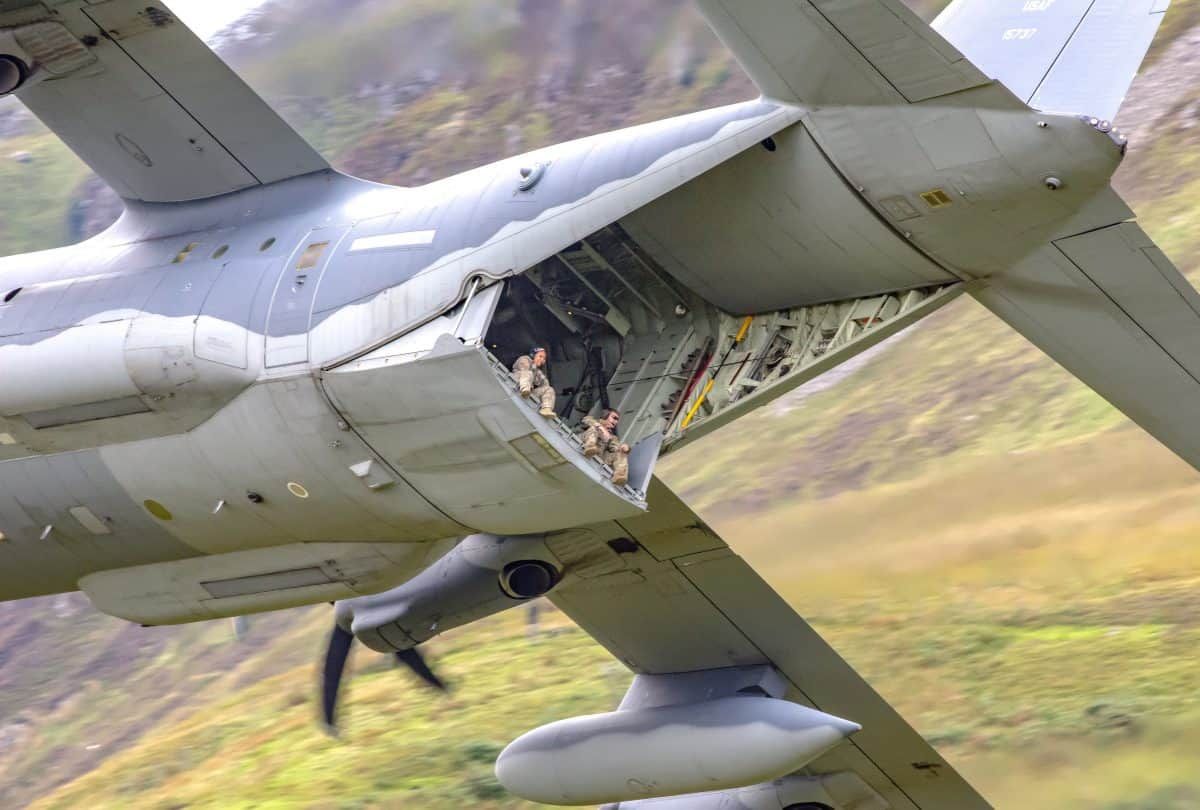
[[1063, 56]]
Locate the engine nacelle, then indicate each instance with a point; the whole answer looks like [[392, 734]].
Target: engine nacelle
[[40, 50], [667, 750], [482, 575], [16, 65]]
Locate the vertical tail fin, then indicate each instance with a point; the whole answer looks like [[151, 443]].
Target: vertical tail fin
[[1064, 56]]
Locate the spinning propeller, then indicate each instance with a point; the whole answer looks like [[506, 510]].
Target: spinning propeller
[[340, 643], [482, 575]]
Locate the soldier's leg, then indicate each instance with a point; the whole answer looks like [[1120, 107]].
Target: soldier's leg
[[547, 397], [591, 442], [524, 377], [620, 464]]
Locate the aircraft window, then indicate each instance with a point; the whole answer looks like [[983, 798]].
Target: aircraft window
[[3, 537], [770, 145], [221, 251], [12, 294], [157, 509], [267, 245], [182, 255], [311, 255]]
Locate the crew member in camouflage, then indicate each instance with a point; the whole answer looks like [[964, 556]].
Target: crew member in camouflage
[[530, 373], [600, 439]]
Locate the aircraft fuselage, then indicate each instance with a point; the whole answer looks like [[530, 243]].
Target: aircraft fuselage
[[270, 369]]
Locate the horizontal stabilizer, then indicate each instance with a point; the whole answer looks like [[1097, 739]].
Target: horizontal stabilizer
[[1062, 56], [1110, 307], [839, 52]]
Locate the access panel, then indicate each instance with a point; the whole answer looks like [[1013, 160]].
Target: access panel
[[291, 306]]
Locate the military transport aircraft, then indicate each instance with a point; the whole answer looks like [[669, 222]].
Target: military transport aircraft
[[270, 384]]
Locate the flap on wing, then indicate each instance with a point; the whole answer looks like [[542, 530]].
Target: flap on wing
[[1110, 307], [839, 52], [157, 114], [683, 601]]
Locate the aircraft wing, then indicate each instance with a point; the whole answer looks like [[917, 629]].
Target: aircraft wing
[[147, 105], [839, 52], [1112, 309], [685, 602]]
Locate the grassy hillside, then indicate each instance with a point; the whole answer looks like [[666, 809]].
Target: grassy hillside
[[998, 551]]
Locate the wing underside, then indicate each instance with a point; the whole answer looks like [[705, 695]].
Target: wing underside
[[685, 602], [1112, 309], [147, 105]]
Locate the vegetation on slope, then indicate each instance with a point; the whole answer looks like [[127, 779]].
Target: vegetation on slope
[[994, 547]]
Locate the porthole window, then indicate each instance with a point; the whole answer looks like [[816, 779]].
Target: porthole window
[[157, 509], [12, 294], [267, 245], [182, 255], [221, 251]]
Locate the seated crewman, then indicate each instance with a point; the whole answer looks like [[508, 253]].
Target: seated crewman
[[600, 439], [530, 373]]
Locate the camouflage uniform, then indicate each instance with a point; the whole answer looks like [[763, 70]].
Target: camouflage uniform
[[533, 382], [598, 440]]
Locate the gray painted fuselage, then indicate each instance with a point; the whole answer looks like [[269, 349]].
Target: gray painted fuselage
[[195, 355], [176, 357]]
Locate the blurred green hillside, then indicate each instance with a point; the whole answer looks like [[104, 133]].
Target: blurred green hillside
[[997, 550]]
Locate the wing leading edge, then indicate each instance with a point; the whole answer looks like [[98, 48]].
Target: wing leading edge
[[683, 602], [156, 113]]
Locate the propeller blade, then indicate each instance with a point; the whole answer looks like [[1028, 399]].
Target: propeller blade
[[335, 664], [416, 662]]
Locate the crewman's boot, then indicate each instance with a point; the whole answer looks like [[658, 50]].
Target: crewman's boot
[[547, 412], [620, 470]]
